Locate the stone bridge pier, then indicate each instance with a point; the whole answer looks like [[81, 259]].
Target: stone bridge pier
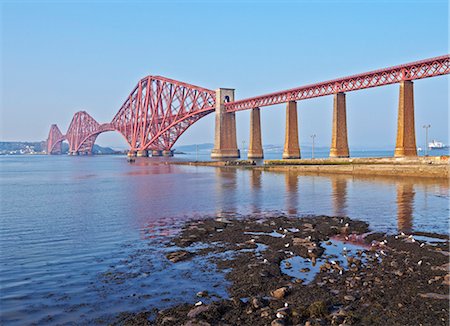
[[225, 143]]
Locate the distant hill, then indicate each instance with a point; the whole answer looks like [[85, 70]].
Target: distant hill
[[193, 148], [29, 148]]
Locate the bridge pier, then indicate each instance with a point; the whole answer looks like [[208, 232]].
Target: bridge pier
[[225, 144], [142, 153], [156, 153], [406, 134], [131, 153], [291, 144], [339, 142], [255, 149], [167, 153]]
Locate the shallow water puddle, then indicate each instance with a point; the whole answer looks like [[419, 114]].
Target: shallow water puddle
[[274, 234], [429, 240], [336, 251]]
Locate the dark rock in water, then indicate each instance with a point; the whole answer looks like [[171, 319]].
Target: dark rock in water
[[177, 256], [203, 294], [317, 309]]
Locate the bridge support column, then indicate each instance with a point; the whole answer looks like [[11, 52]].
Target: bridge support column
[[131, 153], [339, 142], [406, 134], [156, 152], [142, 153], [291, 144], [255, 150], [225, 144], [167, 153]]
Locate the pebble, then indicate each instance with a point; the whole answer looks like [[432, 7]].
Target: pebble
[[265, 312], [317, 309], [177, 256], [436, 296], [349, 298], [197, 310], [279, 293], [283, 312], [202, 294], [257, 303], [277, 322], [446, 280]]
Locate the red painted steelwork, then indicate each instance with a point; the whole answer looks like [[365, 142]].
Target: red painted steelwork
[[159, 110], [410, 71], [156, 113], [54, 140]]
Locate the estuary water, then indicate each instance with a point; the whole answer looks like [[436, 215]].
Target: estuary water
[[83, 239]]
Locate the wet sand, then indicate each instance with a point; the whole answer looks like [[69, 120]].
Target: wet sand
[[310, 271]]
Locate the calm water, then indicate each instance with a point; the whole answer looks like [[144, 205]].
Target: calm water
[[82, 238]]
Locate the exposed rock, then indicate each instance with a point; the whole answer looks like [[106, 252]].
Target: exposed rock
[[349, 298], [436, 296], [279, 293], [446, 280], [177, 256], [265, 312], [283, 312], [197, 323], [317, 309], [203, 294], [277, 322], [194, 312], [257, 303]]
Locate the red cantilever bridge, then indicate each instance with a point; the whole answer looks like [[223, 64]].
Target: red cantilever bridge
[[159, 110]]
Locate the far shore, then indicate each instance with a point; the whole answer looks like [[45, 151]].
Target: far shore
[[426, 167]]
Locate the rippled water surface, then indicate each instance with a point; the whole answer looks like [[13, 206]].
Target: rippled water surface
[[83, 238]]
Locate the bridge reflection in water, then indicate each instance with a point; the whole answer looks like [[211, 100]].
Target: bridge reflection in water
[[391, 204]]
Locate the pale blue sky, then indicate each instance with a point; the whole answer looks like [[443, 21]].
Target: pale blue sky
[[61, 57]]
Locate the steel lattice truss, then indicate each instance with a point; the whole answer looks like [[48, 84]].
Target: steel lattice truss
[[411, 71], [159, 110], [156, 113], [54, 140], [81, 131]]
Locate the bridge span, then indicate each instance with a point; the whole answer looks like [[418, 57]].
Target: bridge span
[[159, 110]]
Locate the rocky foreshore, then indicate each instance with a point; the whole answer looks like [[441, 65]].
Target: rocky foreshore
[[311, 271]]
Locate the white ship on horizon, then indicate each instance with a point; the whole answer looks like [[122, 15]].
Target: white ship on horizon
[[434, 144]]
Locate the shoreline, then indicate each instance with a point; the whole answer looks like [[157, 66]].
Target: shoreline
[[317, 270], [422, 167]]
